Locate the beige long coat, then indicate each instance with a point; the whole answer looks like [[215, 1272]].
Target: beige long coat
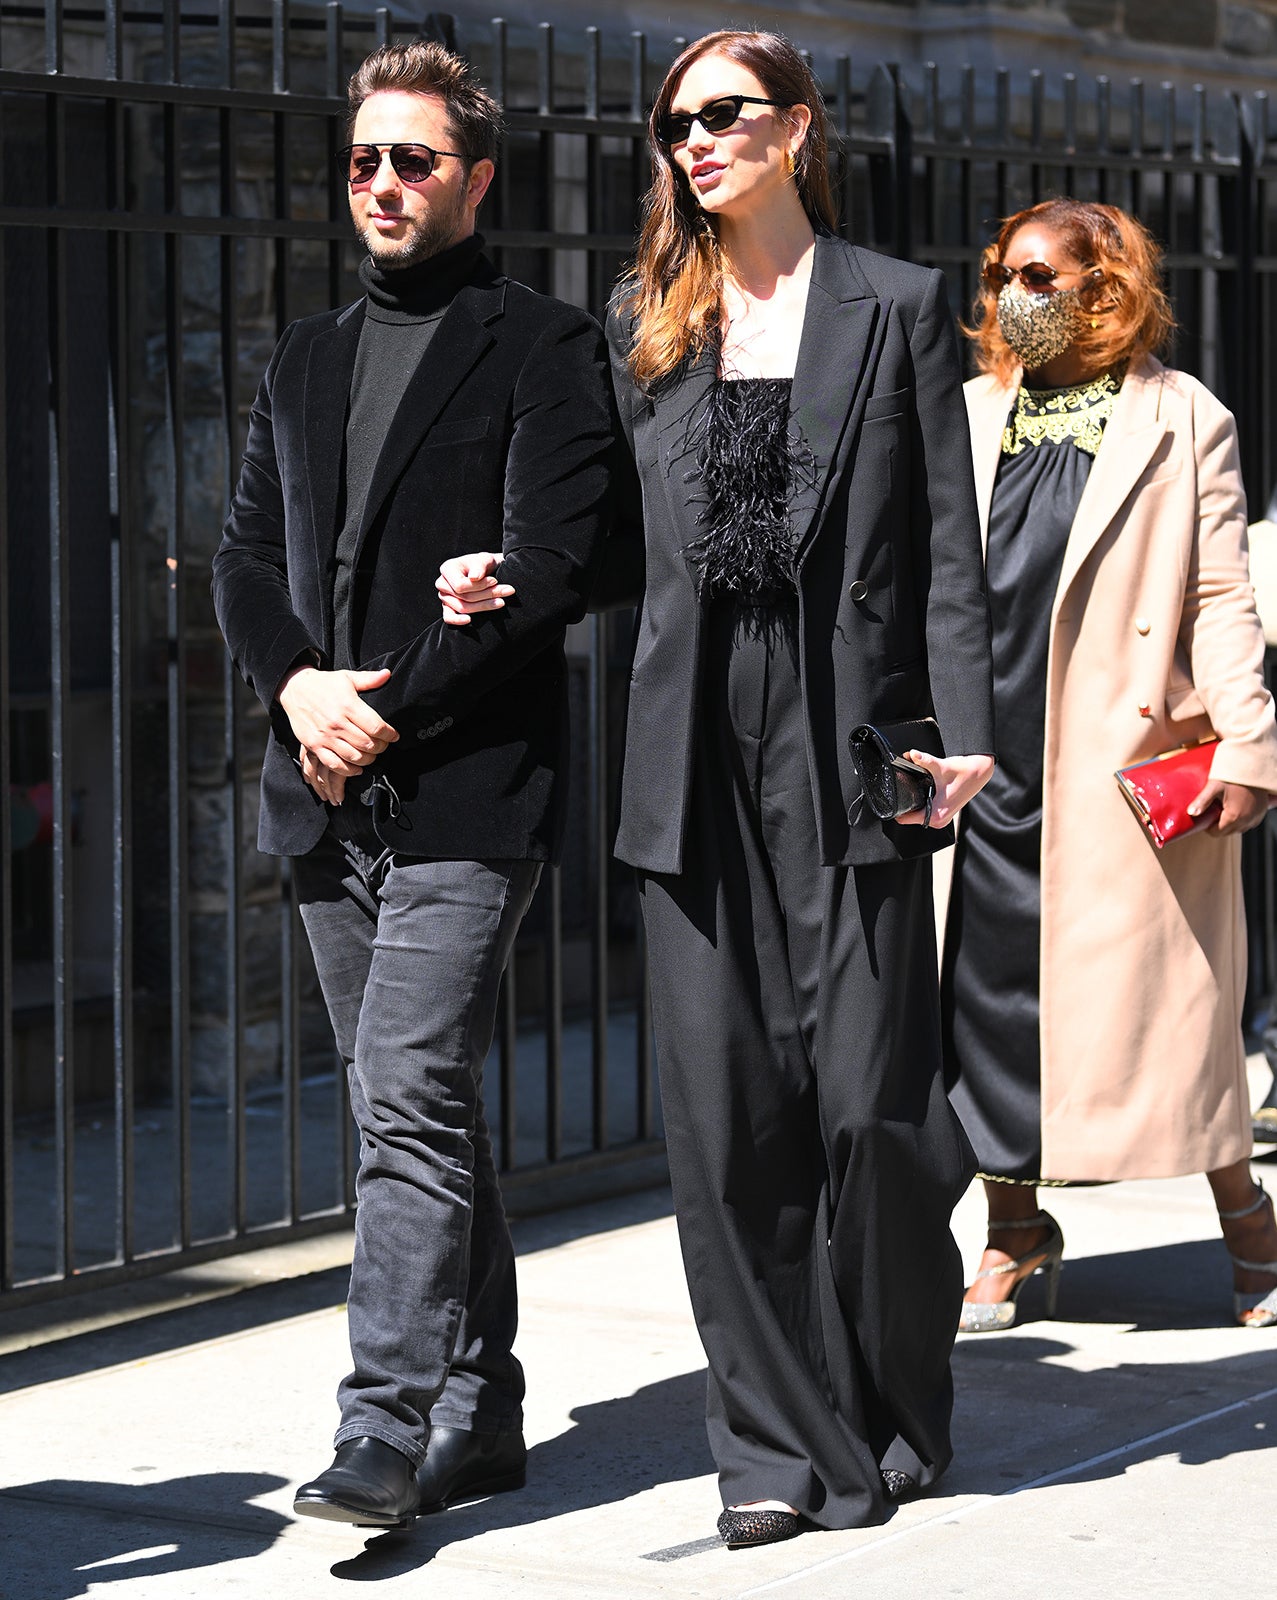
[[1154, 642]]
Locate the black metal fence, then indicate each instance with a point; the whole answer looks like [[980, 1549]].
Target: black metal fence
[[169, 204]]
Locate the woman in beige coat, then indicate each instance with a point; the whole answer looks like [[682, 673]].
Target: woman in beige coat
[[1092, 983]]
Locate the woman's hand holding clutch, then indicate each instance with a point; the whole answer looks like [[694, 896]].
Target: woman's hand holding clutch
[[957, 780], [1241, 807]]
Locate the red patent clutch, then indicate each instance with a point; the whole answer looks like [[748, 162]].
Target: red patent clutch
[[1159, 790]]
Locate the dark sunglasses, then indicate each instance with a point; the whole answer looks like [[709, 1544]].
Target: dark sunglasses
[[715, 116], [1036, 276], [360, 163]]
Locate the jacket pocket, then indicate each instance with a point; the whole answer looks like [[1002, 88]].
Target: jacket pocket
[[463, 431], [881, 406]]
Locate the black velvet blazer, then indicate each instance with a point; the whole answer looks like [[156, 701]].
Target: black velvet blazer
[[893, 621], [503, 441]]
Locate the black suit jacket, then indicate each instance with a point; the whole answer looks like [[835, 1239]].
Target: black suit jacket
[[893, 621], [503, 441]]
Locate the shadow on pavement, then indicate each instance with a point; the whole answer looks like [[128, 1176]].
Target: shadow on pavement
[[255, 1306], [172, 1328], [113, 1533], [617, 1449], [1024, 1414]]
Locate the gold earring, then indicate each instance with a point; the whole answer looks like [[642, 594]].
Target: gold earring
[[790, 163]]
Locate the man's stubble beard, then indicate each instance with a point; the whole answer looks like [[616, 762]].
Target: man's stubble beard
[[430, 235]]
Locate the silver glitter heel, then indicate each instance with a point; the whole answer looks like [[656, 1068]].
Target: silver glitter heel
[[1002, 1313], [1265, 1304]]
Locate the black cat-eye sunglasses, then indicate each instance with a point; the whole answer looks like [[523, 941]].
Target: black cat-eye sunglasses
[[715, 116]]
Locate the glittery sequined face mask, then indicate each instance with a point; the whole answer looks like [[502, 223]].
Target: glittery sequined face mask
[[1039, 327]]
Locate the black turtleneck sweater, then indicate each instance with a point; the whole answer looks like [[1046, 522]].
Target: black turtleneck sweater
[[401, 312]]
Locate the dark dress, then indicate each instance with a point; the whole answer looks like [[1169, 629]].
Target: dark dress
[[814, 1159], [989, 984]]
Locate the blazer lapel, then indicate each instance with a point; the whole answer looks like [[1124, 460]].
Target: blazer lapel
[[1132, 435], [329, 368], [988, 407], [460, 340], [842, 326]]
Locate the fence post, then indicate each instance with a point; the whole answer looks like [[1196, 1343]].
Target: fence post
[[890, 174]]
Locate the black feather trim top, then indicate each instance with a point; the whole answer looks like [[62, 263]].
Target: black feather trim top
[[748, 466]]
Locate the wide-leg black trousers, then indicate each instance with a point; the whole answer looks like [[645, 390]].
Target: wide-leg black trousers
[[814, 1156]]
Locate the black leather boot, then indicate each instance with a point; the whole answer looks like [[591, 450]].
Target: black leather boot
[[370, 1483], [460, 1465]]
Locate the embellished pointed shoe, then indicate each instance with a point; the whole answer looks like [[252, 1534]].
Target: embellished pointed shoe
[[1046, 1258], [1253, 1310], [370, 1484], [742, 1526], [897, 1486], [461, 1465]]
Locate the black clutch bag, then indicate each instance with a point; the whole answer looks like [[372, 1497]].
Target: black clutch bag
[[892, 786]]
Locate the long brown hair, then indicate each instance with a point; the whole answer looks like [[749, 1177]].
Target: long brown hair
[[1130, 315], [674, 291]]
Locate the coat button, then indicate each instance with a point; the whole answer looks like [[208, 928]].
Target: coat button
[[1145, 710], [859, 590], [1142, 625]]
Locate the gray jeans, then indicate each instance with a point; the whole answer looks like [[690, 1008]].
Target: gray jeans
[[410, 953]]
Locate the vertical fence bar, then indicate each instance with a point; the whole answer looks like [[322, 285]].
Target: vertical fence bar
[[228, 362], [1002, 138], [508, 1044], [1246, 318], [60, 666], [553, 889], [638, 112], [6, 824], [1070, 130], [113, 39], [1170, 226], [1037, 131], [596, 277], [334, 134], [1103, 129], [280, 161], [500, 192], [842, 123], [289, 1027], [645, 1073], [53, 37], [547, 175], [175, 620], [554, 886], [970, 221], [931, 120], [601, 856], [122, 568]]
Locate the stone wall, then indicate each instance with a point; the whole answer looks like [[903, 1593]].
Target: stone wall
[[1214, 41]]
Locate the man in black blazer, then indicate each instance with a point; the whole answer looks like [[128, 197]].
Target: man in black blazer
[[416, 771]]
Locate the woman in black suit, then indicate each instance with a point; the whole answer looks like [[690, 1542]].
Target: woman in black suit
[[808, 560]]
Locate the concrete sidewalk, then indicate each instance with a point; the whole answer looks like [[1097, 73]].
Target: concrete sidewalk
[[1118, 1451]]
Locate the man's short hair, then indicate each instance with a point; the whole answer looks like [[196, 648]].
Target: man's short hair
[[423, 67]]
